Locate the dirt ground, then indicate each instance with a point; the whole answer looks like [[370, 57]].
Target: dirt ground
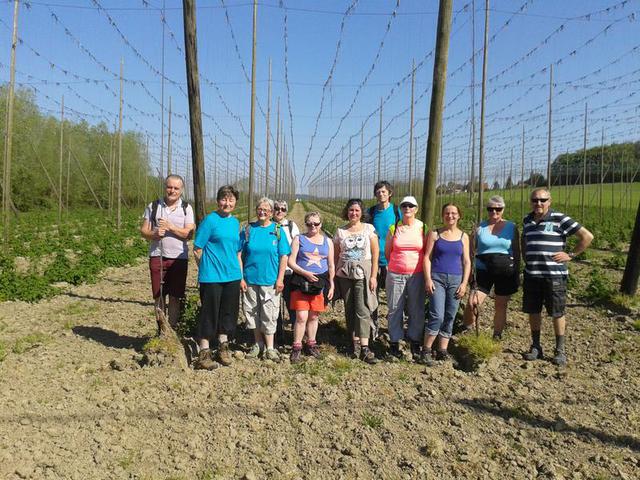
[[77, 404]]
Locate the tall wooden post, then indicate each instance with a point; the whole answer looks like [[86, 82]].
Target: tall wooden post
[[8, 139], [632, 268], [522, 187], [349, 169], [380, 141], [473, 102], [584, 165], [361, 160], [413, 78], [61, 161], [266, 168], [162, 14], [195, 113], [482, 110], [435, 115], [600, 190], [276, 181], [169, 166], [549, 133], [252, 139], [119, 207]]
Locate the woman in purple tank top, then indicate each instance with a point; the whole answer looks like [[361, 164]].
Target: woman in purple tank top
[[446, 272]]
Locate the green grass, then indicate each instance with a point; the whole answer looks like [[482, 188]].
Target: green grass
[[30, 341], [161, 345], [331, 369], [3, 350], [371, 420], [480, 348], [636, 325]]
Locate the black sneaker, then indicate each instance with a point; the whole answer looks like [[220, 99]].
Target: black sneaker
[[442, 356], [559, 358], [296, 355], [394, 354], [426, 357], [416, 348], [534, 353], [367, 356]]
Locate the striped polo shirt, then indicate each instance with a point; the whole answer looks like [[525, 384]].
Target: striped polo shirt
[[545, 238]]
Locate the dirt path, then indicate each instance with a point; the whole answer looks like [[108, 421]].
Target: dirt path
[[76, 404]]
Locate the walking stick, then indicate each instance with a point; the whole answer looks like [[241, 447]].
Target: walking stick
[[163, 326]]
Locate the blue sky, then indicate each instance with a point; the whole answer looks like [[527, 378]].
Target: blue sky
[[594, 45]]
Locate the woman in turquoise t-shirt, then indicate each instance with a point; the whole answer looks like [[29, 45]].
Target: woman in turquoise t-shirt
[[217, 252], [265, 251], [494, 236]]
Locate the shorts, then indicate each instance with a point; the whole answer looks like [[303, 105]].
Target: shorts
[[261, 308], [550, 291], [306, 302], [502, 286], [175, 276]]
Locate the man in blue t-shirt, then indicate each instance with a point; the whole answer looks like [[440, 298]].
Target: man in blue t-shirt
[[382, 215], [544, 237]]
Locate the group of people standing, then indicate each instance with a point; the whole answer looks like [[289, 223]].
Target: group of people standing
[[383, 247]]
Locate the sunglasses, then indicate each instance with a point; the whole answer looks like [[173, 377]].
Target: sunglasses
[[407, 205], [313, 224], [495, 209], [279, 209], [539, 200]]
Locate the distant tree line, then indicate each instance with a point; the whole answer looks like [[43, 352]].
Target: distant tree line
[[88, 149]]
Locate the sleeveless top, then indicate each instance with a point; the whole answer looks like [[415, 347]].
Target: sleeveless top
[[313, 257], [355, 248], [487, 242], [407, 251], [447, 256]]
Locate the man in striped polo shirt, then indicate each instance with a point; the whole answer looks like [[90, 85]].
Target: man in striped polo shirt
[[544, 237]]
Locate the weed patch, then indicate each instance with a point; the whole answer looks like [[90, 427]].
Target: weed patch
[[29, 342], [161, 345], [472, 350], [371, 420]]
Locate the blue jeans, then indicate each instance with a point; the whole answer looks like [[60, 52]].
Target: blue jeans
[[443, 304]]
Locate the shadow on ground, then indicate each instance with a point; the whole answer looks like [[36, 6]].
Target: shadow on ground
[[109, 338], [585, 433]]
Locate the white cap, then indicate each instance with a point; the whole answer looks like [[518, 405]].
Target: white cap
[[410, 199]]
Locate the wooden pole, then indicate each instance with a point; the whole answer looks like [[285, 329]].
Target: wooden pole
[[361, 161], [119, 207], [162, 93], [66, 191], [111, 171], [413, 78], [276, 181], [435, 115], [8, 139], [482, 110], [473, 102], [549, 132], [380, 141], [252, 138], [629, 283], [584, 164], [195, 112], [266, 168], [60, 159], [350, 168], [600, 187], [169, 168], [522, 186]]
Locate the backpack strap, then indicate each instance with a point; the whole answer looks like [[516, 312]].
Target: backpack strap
[[396, 210], [184, 207], [290, 225], [154, 212]]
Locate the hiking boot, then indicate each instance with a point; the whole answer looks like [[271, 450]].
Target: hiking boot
[[415, 350], [296, 355], [559, 358], [426, 357], [271, 354], [394, 354], [312, 349], [534, 353], [224, 354], [205, 360], [254, 352], [442, 356], [367, 356]]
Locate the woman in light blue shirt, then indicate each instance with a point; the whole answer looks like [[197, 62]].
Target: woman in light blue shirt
[[497, 251], [217, 252]]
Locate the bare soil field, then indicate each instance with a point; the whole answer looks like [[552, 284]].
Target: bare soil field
[[77, 403]]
